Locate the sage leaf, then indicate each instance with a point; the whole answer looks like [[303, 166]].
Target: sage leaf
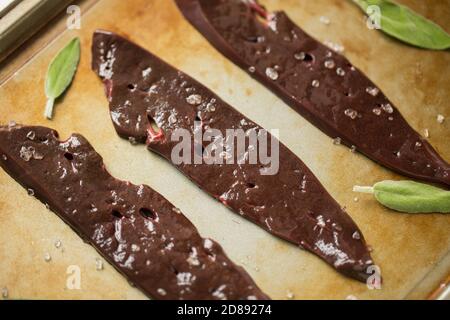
[[60, 73], [409, 196], [404, 24]]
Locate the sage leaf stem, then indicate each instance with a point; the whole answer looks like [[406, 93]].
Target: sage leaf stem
[[49, 108], [360, 189]]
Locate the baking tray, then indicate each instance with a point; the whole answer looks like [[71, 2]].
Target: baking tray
[[412, 250], [21, 19]]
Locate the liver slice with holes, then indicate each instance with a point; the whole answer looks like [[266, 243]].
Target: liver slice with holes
[[321, 85], [292, 204], [133, 227]]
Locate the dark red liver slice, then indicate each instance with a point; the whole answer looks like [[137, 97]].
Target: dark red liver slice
[[321, 85], [292, 204], [136, 229]]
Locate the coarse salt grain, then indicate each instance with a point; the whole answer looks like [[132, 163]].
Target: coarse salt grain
[[272, 73]]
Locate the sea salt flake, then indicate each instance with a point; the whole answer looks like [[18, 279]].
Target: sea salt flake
[[98, 264], [440, 118], [272, 23], [132, 140], [146, 72], [300, 56], [329, 64], [376, 111], [320, 221], [194, 99], [26, 153], [58, 244], [172, 119], [315, 83], [337, 141], [31, 135], [387, 107], [352, 114], [303, 184], [290, 295], [356, 235], [340, 72], [252, 69], [5, 293], [208, 244], [324, 20], [334, 46], [193, 258], [161, 292], [210, 107], [47, 257], [272, 73], [372, 91], [184, 279], [218, 293], [153, 89]]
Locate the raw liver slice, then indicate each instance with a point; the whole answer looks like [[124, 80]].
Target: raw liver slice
[[321, 85], [133, 227], [292, 204]]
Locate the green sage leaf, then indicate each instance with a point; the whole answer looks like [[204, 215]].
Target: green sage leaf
[[409, 196], [60, 73], [404, 24]]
